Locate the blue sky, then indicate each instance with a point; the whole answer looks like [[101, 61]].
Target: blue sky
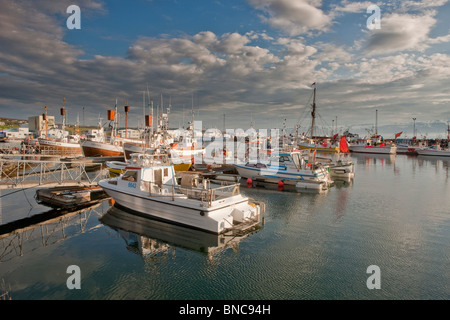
[[252, 60]]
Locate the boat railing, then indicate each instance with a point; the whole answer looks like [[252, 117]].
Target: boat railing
[[206, 193], [148, 160]]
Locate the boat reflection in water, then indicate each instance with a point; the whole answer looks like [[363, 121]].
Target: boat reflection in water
[[148, 237]]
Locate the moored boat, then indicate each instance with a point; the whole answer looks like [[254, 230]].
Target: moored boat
[[71, 196], [373, 144], [404, 148], [290, 168], [150, 188], [60, 147], [434, 151]]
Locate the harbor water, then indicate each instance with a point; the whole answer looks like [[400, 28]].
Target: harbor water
[[394, 214]]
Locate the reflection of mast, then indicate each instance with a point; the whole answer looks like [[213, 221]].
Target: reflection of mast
[[313, 112]]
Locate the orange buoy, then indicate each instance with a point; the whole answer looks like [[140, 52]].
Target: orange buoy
[[249, 183]]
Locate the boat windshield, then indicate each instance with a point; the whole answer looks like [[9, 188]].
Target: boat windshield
[[130, 176]]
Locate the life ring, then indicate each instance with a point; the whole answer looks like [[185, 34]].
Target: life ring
[[116, 143], [161, 141]]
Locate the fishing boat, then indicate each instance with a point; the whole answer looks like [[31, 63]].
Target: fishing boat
[[323, 144], [435, 150], [342, 170], [100, 146], [292, 168], [151, 188], [440, 150], [404, 148], [58, 141], [374, 143]]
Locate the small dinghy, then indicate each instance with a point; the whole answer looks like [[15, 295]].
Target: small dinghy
[[71, 196]]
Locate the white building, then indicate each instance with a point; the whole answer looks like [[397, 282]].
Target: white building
[[16, 133]]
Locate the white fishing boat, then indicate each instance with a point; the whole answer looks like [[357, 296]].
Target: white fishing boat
[[439, 150], [369, 146], [342, 170], [404, 148], [291, 168], [374, 143], [434, 151], [150, 188]]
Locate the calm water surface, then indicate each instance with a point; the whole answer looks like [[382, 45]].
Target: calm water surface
[[394, 214]]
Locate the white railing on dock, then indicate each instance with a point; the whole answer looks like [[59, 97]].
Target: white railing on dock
[[28, 171]]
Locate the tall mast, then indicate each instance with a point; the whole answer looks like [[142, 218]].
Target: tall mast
[[313, 112], [376, 122], [448, 131], [115, 120], [143, 109], [63, 114]]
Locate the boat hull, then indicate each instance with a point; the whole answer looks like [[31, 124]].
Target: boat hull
[[331, 148], [101, 149], [133, 147], [49, 147], [301, 179], [346, 171], [373, 150], [431, 152]]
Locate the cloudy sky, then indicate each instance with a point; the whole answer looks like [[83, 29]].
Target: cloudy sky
[[251, 60]]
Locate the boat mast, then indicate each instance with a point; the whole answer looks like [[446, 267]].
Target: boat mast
[[313, 112], [63, 114], [115, 120], [448, 131], [376, 122]]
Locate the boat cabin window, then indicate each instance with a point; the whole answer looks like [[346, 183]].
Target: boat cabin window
[[297, 160], [130, 176], [283, 159], [166, 172]]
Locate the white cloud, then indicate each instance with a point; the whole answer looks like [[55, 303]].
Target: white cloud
[[230, 70], [401, 32], [293, 16], [353, 6]]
